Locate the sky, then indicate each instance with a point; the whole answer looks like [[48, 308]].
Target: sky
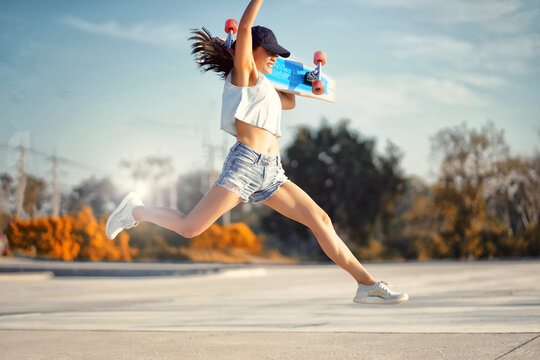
[[96, 82]]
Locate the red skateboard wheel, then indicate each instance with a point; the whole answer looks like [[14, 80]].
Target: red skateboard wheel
[[231, 24], [318, 87], [319, 56]]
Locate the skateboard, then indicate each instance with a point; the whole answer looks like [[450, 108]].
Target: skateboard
[[291, 75]]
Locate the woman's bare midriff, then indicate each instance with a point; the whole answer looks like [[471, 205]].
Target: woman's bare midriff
[[259, 139]]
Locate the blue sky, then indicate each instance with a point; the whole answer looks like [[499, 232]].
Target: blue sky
[[102, 81]]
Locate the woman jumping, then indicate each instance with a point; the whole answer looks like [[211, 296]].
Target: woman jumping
[[251, 111]]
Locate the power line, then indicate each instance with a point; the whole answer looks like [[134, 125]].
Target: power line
[[56, 160], [52, 157]]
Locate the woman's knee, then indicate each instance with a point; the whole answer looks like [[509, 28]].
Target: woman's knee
[[321, 222], [190, 231]]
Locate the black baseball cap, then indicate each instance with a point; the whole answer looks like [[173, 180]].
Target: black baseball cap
[[266, 38]]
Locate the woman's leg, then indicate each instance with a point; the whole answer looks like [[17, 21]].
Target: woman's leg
[[214, 204], [294, 203]]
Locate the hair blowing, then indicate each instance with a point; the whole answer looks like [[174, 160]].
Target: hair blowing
[[211, 54]]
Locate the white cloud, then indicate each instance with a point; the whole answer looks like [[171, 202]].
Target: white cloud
[[517, 54], [375, 97], [442, 91], [514, 54], [164, 35], [478, 80], [522, 20], [520, 47], [451, 11], [431, 46], [493, 16]]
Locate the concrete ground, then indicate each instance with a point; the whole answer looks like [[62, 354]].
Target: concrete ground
[[457, 310]]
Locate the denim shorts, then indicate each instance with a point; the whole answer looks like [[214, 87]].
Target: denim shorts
[[251, 174]]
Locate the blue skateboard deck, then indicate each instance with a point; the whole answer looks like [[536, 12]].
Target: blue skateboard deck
[[288, 75]]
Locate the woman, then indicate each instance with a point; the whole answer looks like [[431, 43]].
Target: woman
[[251, 111]]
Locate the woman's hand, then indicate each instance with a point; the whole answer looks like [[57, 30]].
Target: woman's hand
[[288, 101]]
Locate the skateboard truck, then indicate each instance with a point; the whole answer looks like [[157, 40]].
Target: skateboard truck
[[313, 78], [231, 27]]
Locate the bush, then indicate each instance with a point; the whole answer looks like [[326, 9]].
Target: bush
[[80, 237]]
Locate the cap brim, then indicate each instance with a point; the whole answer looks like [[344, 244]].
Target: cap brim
[[277, 49]]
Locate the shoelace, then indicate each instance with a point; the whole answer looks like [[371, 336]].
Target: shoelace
[[385, 287]]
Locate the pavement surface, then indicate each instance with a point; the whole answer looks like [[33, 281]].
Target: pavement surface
[[457, 310], [9, 266]]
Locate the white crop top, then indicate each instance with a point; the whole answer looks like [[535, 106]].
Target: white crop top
[[258, 105]]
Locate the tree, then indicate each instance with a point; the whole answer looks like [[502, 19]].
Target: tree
[[416, 225], [469, 158], [513, 197], [341, 172], [33, 195], [5, 190], [513, 194], [94, 193]]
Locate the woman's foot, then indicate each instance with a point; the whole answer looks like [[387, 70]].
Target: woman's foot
[[122, 217], [379, 293]]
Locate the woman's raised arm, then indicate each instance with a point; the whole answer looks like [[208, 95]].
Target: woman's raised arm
[[243, 52]]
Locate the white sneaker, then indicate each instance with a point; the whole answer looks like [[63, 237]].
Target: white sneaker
[[379, 293], [122, 217]]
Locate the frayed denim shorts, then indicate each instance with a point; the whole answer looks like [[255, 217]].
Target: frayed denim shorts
[[251, 174]]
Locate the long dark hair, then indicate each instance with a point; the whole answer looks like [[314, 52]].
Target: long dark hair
[[210, 53]]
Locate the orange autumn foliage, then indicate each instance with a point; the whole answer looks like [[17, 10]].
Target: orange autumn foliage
[[237, 235], [68, 237], [82, 237]]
